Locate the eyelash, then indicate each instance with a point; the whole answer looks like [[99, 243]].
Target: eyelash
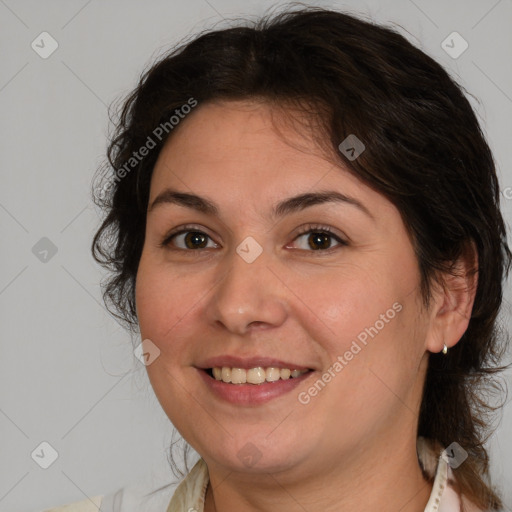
[[310, 228]]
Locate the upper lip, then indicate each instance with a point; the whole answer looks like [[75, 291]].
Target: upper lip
[[248, 362]]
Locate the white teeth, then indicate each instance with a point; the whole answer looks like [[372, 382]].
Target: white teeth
[[256, 375], [272, 374], [226, 374], [285, 373], [238, 376]]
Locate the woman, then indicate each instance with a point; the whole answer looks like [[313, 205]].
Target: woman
[[304, 224]]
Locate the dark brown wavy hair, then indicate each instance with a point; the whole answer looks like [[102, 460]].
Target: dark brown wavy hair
[[425, 152]]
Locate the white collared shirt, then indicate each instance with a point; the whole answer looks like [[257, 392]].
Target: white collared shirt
[[189, 494]]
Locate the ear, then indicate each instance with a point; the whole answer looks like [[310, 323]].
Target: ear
[[452, 301]]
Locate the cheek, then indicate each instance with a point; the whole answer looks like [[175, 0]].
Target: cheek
[[374, 355], [368, 317], [164, 301], [346, 304]]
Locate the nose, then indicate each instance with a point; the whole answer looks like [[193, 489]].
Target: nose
[[247, 296]]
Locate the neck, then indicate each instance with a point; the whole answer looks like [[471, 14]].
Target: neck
[[387, 480]]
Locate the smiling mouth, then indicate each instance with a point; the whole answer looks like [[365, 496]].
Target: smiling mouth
[[256, 376]]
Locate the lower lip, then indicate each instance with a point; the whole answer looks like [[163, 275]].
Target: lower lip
[[252, 394]]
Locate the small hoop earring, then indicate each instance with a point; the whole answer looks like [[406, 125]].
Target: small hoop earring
[[445, 349]]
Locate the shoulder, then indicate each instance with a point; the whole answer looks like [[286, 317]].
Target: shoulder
[[88, 505], [150, 493], [138, 497]]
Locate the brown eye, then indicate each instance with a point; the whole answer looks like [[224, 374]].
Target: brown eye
[[195, 240], [188, 240], [319, 239]]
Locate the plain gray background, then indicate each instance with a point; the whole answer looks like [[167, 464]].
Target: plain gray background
[[68, 374]]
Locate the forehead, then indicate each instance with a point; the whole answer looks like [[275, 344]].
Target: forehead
[[244, 144]]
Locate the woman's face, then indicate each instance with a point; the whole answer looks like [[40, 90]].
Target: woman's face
[[255, 281]]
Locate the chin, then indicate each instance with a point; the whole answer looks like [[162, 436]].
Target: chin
[[257, 453]]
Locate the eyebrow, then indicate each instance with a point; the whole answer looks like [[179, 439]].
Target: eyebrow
[[290, 205]]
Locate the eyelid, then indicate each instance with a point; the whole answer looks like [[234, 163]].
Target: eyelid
[[306, 228]]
